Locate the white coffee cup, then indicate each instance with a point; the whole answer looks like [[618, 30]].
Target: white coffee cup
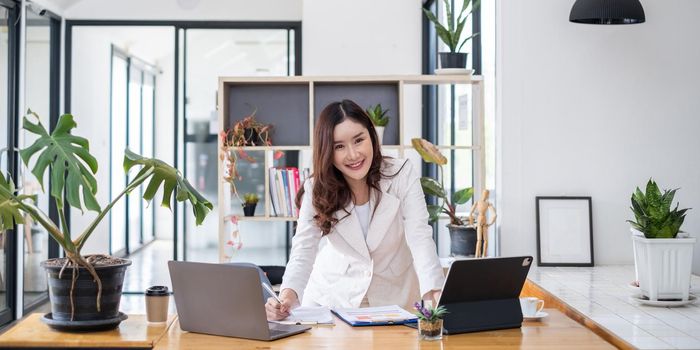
[[531, 306]]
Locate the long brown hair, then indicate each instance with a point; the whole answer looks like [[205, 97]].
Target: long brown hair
[[331, 191]]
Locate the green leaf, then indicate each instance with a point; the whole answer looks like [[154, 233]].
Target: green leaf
[[172, 181], [462, 196], [9, 210], [442, 32], [428, 151], [653, 214], [432, 187], [434, 212], [68, 156], [465, 41], [450, 16]]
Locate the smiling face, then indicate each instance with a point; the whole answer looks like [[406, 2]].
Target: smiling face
[[352, 150]]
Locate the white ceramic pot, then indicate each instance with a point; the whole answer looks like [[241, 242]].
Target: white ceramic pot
[[380, 134], [663, 266]]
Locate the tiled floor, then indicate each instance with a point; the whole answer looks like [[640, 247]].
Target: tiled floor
[[602, 294]]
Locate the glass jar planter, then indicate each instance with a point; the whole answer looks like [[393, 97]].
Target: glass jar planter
[[430, 330]]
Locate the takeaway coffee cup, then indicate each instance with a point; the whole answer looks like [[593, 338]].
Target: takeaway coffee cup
[[157, 298], [531, 306]]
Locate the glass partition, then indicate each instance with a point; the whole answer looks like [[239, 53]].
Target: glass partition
[[209, 54], [5, 127], [38, 99]]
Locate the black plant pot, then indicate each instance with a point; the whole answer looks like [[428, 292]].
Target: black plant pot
[[252, 137], [86, 316], [249, 209], [453, 60], [462, 240]]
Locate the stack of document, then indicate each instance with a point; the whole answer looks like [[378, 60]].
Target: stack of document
[[309, 315], [375, 316]]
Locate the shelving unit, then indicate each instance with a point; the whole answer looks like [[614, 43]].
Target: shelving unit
[[292, 105]]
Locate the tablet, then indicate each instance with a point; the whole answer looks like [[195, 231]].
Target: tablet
[[485, 279], [484, 294]]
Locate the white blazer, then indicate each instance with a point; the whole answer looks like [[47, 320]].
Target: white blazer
[[383, 267]]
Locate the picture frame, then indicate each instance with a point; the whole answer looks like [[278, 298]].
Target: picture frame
[[564, 231]]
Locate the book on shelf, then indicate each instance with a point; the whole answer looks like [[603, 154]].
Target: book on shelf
[[274, 198], [284, 186]]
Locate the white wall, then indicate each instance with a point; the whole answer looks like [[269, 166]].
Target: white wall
[[596, 110], [361, 37], [221, 10]]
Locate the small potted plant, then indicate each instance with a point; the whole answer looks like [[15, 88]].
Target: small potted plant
[[462, 236], [430, 321], [250, 132], [379, 119], [250, 200], [663, 254], [84, 290], [451, 34]]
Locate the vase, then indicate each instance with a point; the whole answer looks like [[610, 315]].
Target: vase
[[430, 330], [251, 137], [453, 60], [249, 209], [380, 134], [462, 240], [82, 303], [663, 266]]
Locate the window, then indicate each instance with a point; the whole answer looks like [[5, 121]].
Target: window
[[37, 92], [132, 120], [9, 39], [448, 119], [182, 96]]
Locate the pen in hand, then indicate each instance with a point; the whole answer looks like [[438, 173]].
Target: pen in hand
[[269, 290]]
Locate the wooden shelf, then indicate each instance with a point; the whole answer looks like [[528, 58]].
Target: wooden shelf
[[292, 104], [271, 148], [407, 79], [261, 218]]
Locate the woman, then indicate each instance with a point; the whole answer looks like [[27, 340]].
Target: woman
[[379, 248]]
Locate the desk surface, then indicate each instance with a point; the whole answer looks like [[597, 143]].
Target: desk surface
[[554, 332], [134, 332]]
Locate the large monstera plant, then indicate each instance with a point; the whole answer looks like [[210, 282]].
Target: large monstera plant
[[433, 187], [72, 172]]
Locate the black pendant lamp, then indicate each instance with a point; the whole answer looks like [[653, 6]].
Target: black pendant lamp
[[607, 12]]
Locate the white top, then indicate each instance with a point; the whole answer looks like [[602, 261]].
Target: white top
[[362, 212]]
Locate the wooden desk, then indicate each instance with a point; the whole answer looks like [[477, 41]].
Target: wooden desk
[[555, 332], [134, 332]]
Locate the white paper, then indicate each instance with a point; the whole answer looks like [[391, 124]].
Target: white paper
[[375, 314], [309, 315]]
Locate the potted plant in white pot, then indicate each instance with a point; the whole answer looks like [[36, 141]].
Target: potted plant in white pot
[[462, 236], [84, 291], [379, 119], [451, 35], [663, 255]]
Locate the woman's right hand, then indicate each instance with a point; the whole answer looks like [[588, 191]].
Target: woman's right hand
[[276, 311]]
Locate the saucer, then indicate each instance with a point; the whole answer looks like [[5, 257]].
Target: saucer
[[540, 315], [663, 302], [83, 326], [453, 71]]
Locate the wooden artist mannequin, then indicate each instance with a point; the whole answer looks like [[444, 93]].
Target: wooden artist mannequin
[[482, 206]]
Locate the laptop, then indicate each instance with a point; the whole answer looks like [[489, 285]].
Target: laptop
[[484, 294], [223, 300]]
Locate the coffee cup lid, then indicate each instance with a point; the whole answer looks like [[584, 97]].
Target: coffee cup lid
[[157, 291]]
